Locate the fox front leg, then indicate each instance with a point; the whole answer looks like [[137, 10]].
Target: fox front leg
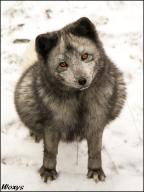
[[48, 169], [95, 171]]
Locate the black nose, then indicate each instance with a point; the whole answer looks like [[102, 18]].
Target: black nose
[[82, 81]]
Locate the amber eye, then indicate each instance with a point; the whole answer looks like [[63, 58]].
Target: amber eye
[[84, 56], [63, 64]]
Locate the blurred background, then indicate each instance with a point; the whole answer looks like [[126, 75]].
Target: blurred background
[[120, 27]]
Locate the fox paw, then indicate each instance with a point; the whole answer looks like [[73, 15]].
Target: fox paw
[[96, 174], [48, 174]]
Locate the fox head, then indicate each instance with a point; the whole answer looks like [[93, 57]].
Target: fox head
[[72, 55]]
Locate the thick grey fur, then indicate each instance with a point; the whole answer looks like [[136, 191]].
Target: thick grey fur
[[52, 104]]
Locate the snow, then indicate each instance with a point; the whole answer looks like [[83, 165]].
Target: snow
[[120, 27]]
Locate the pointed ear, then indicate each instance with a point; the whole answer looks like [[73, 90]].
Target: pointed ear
[[44, 43], [84, 27]]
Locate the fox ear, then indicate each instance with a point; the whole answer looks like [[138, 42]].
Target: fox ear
[[44, 43], [84, 27]]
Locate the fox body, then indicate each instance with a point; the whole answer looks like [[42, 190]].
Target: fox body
[[71, 92]]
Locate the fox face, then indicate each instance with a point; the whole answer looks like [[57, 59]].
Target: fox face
[[71, 56]]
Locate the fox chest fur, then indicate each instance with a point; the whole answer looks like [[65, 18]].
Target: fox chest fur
[[63, 110], [64, 113]]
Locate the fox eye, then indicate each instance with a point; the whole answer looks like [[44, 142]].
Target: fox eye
[[84, 56], [63, 64]]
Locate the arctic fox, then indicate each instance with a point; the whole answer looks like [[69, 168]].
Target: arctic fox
[[71, 91]]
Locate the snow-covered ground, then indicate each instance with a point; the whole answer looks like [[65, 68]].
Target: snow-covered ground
[[120, 27]]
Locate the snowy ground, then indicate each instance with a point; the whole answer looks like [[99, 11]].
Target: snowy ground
[[120, 27]]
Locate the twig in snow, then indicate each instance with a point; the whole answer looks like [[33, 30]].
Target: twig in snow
[[21, 41], [20, 25], [135, 125], [113, 163], [48, 12], [77, 153], [4, 161]]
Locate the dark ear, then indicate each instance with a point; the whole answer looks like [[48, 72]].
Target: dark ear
[[44, 43], [84, 27]]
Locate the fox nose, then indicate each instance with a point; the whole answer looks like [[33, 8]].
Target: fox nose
[[82, 81]]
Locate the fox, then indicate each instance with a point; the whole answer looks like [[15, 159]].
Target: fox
[[70, 93]]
